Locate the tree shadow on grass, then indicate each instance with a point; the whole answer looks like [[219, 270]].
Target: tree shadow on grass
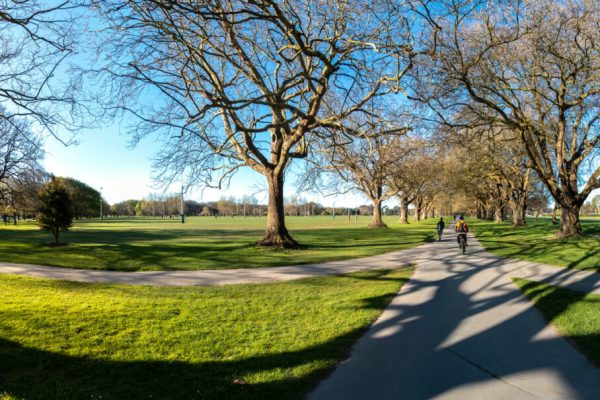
[[174, 249], [553, 301], [31, 373], [35, 374], [585, 256]]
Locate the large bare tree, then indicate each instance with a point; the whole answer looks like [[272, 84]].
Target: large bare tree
[[414, 175], [20, 152], [368, 165], [532, 66], [36, 39], [245, 83]]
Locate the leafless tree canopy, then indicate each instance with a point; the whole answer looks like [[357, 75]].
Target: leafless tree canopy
[[20, 154], [245, 83], [36, 38], [533, 67]]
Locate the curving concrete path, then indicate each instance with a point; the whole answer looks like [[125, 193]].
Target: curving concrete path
[[461, 329], [392, 260], [442, 251]]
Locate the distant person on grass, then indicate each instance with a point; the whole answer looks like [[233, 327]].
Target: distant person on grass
[[440, 228], [461, 228]]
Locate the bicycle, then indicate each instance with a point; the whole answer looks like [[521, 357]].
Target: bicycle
[[462, 242]]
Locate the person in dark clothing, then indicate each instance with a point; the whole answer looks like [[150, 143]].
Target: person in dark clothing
[[440, 228]]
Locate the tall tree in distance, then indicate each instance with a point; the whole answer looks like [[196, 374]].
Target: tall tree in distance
[[246, 83], [363, 154], [86, 200], [56, 209]]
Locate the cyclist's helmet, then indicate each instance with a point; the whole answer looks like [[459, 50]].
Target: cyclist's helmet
[[461, 218]]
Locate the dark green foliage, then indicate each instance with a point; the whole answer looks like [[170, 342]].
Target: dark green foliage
[[56, 208], [86, 200]]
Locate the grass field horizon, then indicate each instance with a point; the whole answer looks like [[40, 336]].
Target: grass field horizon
[[151, 244]]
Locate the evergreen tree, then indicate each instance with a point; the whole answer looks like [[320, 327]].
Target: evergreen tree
[[56, 208]]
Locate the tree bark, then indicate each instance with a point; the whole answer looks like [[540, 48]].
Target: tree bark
[[554, 214], [276, 233], [569, 221], [518, 213], [403, 211], [488, 213], [499, 214], [377, 220], [479, 212], [418, 207]]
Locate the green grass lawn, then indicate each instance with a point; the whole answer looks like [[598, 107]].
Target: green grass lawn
[[137, 244], [537, 242], [576, 315], [64, 340]]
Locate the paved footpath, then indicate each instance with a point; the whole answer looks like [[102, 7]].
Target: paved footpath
[[218, 277], [460, 329], [442, 253]]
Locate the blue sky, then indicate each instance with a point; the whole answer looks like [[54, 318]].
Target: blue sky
[[104, 159]]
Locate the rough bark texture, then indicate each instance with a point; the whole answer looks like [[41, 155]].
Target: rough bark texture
[[499, 215], [418, 207], [518, 213], [569, 221], [276, 233], [403, 211], [377, 221]]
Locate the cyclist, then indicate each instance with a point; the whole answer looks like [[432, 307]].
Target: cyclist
[[461, 228], [440, 228]]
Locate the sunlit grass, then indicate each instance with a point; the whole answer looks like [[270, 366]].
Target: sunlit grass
[[64, 340], [576, 315], [204, 243], [537, 242]]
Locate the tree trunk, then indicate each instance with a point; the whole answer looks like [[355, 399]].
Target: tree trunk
[[490, 212], [276, 234], [403, 211], [418, 207], [377, 221], [518, 213], [499, 215], [569, 221]]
